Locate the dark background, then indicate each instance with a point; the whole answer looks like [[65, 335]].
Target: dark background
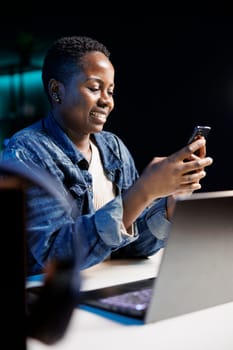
[[172, 72]]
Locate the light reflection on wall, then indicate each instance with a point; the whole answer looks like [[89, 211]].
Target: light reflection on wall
[[18, 91]]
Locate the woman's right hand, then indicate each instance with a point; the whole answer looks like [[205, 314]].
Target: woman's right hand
[[179, 173]]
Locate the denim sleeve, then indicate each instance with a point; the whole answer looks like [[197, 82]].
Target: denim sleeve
[[102, 232], [98, 235], [153, 229], [156, 219], [92, 236]]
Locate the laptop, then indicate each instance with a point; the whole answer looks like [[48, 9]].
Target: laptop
[[195, 273]]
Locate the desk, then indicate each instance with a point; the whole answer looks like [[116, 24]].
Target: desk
[[210, 329]]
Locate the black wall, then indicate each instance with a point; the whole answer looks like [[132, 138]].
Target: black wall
[[172, 72]]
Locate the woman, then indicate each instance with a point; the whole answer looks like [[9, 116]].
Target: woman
[[117, 213]]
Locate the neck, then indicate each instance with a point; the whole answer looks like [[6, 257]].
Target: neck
[[81, 141], [86, 150]]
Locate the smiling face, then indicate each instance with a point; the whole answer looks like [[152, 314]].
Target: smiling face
[[87, 99]]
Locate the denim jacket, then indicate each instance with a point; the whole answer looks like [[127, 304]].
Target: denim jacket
[[51, 231]]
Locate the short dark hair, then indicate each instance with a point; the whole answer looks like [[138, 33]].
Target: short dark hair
[[64, 57]]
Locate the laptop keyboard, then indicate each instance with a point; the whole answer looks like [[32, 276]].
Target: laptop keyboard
[[137, 300], [129, 299]]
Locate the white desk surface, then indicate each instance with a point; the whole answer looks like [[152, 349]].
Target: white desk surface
[[210, 329]]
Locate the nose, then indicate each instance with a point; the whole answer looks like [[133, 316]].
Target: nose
[[105, 99]]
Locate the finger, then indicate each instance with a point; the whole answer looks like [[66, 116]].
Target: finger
[[195, 177], [187, 151], [202, 152], [196, 165], [188, 188]]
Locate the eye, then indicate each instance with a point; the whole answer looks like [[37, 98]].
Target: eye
[[93, 89], [111, 92]]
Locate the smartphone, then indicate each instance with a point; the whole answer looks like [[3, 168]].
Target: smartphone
[[199, 130]]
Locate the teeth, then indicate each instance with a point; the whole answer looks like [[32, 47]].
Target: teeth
[[95, 114], [98, 115]]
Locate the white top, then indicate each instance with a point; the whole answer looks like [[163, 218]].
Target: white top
[[103, 188]]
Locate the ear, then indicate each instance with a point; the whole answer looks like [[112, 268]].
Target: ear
[[55, 89]]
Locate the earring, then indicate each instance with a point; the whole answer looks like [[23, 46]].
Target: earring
[[56, 97]]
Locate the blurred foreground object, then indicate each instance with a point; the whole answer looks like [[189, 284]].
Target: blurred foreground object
[[49, 307], [40, 312]]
